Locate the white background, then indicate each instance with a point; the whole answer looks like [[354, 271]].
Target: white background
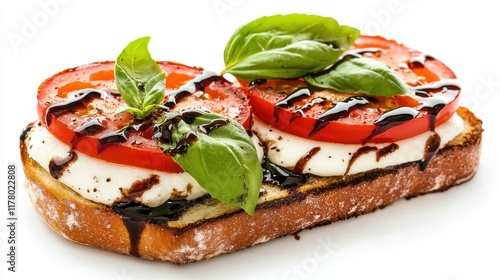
[[453, 235]]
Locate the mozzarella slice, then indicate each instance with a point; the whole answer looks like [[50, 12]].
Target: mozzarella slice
[[106, 182], [334, 159]]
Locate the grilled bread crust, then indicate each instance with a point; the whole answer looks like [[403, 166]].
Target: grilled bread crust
[[210, 228]]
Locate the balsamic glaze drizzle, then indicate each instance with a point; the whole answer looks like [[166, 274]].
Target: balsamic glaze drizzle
[[391, 119], [58, 165], [181, 147], [163, 131], [380, 153], [299, 112], [433, 105], [339, 110], [118, 136], [135, 229], [294, 96], [213, 124], [302, 162], [437, 86], [431, 149], [290, 99], [168, 211], [257, 82], [25, 132], [419, 61], [82, 99], [280, 176], [192, 86], [91, 127], [139, 187]]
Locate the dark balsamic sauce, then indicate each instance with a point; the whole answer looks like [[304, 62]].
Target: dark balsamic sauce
[[290, 99], [139, 187], [135, 215], [83, 98], [170, 210], [163, 131], [441, 86], [419, 61], [302, 162], [380, 153], [88, 128], [26, 131], [192, 86], [339, 110], [391, 119], [257, 82], [181, 147], [433, 105], [58, 165], [118, 136], [135, 229], [214, 124], [431, 148], [280, 176], [386, 150], [300, 112]]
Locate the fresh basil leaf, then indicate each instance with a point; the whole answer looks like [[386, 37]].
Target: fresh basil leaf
[[139, 79], [360, 75], [127, 88], [279, 31], [134, 111], [155, 90], [137, 62], [292, 61], [218, 153]]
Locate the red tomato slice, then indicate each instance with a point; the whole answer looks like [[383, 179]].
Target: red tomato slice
[[81, 124], [303, 116]]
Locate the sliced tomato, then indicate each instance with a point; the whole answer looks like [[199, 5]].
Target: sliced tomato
[[139, 148], [302, 116]]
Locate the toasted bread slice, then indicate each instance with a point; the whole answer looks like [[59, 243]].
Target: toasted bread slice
[[210, 228]]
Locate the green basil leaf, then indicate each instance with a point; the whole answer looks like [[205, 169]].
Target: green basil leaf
[[278, 31], [139, 79], [360, 75], [155, 90], [127, 88], [292, 61], [132, 110], [137, 62], [223, 161]]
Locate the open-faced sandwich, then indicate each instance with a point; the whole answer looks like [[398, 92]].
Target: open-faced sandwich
[[169, 162]]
